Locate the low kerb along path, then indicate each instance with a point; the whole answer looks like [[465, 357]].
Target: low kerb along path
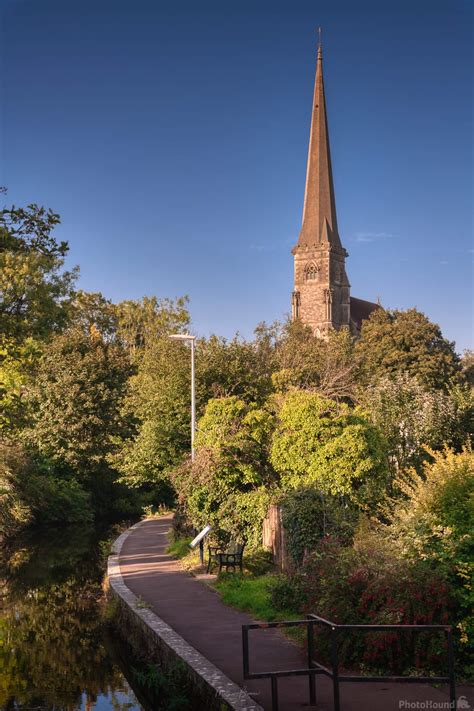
[[196, 613]]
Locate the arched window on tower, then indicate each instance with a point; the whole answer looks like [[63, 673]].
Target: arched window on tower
[[311, 272]]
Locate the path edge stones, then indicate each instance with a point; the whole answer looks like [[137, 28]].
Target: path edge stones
[[166, 644]]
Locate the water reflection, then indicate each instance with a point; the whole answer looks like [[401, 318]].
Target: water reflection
[[54, 655]]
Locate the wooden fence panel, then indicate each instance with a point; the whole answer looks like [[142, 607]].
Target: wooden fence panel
[[274, 538]]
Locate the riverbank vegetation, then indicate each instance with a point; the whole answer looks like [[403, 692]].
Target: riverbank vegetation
[[364, 444]]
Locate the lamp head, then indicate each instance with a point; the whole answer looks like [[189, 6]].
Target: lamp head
[[182, 337]]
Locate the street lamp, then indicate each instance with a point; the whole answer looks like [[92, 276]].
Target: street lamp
[[191, 339]]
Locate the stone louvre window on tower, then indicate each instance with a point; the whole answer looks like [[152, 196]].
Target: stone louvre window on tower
[[311, 272]]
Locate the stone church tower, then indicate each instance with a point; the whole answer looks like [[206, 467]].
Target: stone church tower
[[321, 297]]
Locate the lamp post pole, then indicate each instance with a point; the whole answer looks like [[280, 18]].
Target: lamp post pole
[[193, 399], [191, 339]]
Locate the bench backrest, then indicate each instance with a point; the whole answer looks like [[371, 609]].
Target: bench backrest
[[235, 548]]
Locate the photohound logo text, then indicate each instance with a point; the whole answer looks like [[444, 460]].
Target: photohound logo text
[[462, 703]]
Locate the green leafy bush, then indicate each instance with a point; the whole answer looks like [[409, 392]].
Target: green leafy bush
[[34, 490], [229, 484], [435, 523], [62, 500], [328, 445], [309, 515], [288, 593], [15, 469], [415, 568]]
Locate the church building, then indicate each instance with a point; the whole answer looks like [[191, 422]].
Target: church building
[[321, 296]]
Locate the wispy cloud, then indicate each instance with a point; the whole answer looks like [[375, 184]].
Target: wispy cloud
[[371, 236]]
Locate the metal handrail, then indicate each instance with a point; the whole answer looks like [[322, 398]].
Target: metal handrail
[[314, 668]]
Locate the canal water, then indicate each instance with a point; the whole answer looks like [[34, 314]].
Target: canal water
[[56, 653]]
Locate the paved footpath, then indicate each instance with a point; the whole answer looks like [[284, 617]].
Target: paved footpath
[[196, 612]]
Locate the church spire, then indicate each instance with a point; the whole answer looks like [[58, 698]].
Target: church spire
[[319, 212]]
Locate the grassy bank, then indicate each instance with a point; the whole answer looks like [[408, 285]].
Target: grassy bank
[[250, 591], [179, 548]]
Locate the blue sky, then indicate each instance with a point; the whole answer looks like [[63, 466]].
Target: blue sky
[[172, 139]]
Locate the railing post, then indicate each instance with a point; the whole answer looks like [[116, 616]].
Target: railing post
[[452, 687], [335, 667], [312, 677], [314, 668], [274, 680], [245, 650]]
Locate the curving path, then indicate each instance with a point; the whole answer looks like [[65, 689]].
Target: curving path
[[196, 612]]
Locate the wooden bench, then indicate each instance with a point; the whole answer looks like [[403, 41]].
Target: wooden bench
[[230, 558]]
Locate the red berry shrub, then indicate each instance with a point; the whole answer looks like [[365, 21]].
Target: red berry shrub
[[369, 585]]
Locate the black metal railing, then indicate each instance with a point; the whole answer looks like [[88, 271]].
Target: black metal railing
[[314, 668]]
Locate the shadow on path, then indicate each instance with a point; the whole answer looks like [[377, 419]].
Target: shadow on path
[[196, 612]]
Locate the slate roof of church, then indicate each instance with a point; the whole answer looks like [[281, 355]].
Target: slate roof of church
[[361, 310]]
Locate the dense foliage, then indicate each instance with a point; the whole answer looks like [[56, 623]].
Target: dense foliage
[[329, 445], [407, 342], [303, 361], [434, 523], [310, 515], [35, 290], [413, 418], [228, 485], [66, 361], [369, 583], [414, 567], [78, 391], [95, 420]]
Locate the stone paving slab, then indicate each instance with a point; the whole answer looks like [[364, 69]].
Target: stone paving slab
[[196, 612]]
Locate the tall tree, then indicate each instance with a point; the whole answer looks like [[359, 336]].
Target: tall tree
[[158, 395], [231, 367], [158, 399], [78, 395], [35, 291], [228, 484], [467, 366], [328, 365], [142, 322], [413, 418], [407, 341], [18, 363], [92, 311]]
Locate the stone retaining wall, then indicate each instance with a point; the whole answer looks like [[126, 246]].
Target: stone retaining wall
[[211, 689]]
